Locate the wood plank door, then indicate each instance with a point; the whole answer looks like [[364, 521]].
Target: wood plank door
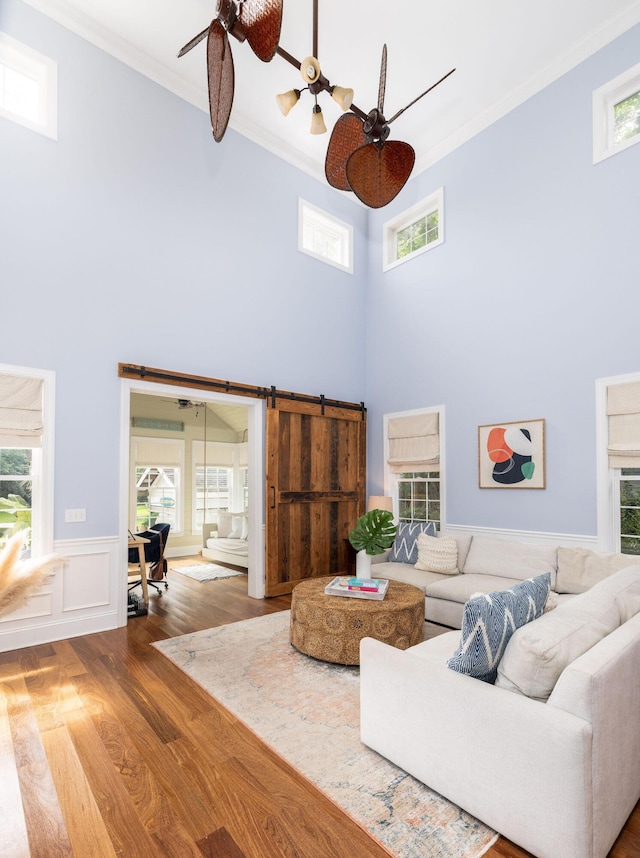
[[315, 490]]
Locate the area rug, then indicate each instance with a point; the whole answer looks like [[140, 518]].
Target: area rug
[[308, 712], [205, 571]]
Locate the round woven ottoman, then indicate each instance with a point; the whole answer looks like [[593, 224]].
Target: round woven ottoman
[[330, 628]]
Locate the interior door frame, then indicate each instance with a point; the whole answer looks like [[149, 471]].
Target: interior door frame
[[256, 470]]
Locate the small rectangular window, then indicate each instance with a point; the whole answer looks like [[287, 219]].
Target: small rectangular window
[[324, 237], [616, 115], [416, 230], [28, 87]]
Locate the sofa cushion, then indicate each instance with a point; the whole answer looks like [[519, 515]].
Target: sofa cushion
[[537, 654], [463, 541], [224, 524], [510, 559], [407, 574], [579, 568], [490, 620], [437, 555], [405, 545], [460, 588]]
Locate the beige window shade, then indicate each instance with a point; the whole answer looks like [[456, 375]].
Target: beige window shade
[[623, 408], [414, 443], [20, 411], [243, 455], [156, 452], [218, 455]]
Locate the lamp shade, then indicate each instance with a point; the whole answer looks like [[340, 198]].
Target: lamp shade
[[317, 121], [342, 96], [287, 100], [380, 502]]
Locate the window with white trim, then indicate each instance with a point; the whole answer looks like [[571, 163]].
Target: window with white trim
[[414, 455], [616, 115], [28, 87], [26, 456], [226, 488], [325, 237], [158, 466], [413, 232]]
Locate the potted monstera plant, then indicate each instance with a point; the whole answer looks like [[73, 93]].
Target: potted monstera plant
[[373, 534]]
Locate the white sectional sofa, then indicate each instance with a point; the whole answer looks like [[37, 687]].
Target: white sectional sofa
[[486, 564], [549, 755]]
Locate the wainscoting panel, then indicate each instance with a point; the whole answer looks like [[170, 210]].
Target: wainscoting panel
[[80, 598], [570, 540]]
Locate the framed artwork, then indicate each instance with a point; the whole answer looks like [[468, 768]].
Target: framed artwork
[[511, 455]]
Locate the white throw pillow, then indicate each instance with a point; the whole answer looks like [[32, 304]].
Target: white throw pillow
[[224, 524], [437, 554], [237, 524], [245, 527]]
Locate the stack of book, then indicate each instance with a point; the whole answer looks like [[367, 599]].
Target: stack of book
[[358, 588]]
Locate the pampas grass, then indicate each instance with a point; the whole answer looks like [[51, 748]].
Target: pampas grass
[[19, 579]]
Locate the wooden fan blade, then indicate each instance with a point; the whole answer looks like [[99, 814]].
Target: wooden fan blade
[[382, 86], [346, 137], [261, 21], [221, 78], [195, 41], [378, 173]]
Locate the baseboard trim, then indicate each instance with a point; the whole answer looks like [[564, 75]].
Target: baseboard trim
[[535, 536], [11, 639]]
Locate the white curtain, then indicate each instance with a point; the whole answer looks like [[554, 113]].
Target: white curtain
[[623, 408], [20, 411], [414, 443]]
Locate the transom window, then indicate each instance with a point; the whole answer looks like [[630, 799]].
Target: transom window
[[28, 87], [616, 115], [415, 231], [325, 237], [419, 496]]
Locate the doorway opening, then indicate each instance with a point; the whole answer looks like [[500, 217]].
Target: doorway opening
[[189, 456]]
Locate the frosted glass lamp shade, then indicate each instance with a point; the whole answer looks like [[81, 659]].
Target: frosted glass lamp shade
[[287, 100], [317, 121], [380, 502], [342, 96]]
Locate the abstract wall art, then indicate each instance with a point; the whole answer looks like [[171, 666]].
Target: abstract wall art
[[511, 455]]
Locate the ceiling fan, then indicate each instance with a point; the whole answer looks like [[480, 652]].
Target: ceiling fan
[[185, 403], [361, 158], [256, 21]]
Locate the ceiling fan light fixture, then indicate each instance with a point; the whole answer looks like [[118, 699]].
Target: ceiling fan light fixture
[[310, 70], [287, 100], [342, 96], [317, 121]]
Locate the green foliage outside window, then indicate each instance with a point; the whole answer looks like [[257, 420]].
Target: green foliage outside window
[[419, 496], [626, 119], [630, 511], [417, 235]]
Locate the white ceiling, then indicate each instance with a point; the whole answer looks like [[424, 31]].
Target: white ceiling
[[504, 51]]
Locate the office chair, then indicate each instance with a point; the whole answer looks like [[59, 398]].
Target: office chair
[[157, 535]]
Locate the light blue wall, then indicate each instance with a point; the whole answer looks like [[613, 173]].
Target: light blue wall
[[136, 238], [533, 296]]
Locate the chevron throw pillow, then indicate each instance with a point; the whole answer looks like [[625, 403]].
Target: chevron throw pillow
[[490, 620], [405, 545]]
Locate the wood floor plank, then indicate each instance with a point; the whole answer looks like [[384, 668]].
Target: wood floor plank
[[220, 844], [87, 832], [15, 841], [46, 828]]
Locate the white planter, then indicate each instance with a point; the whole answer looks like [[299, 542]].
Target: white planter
[[363, 564]]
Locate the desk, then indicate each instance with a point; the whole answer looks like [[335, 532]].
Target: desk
[[139, 542]]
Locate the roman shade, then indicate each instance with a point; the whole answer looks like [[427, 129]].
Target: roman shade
[[414, 443], [623, 410], [20, 411], [158, 453], [219, 455]]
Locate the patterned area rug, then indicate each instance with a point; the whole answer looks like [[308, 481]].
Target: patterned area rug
[[308, 711], [205, 571]]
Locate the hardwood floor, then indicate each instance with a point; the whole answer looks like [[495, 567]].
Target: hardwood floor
[[107, 749]]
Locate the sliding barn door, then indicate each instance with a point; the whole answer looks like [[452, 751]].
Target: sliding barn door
[[315, 490]]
